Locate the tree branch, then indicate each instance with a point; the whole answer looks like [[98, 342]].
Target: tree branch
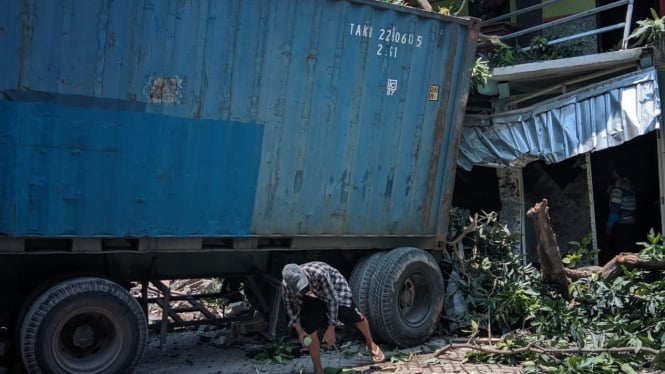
[[552, 266], [473, 226], [532, 347]]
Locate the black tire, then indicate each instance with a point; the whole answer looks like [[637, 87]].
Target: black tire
[[361, 275], [29, 300], [405, 297], [83, 325]]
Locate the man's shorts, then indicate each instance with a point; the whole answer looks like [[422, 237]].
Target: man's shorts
[[314, 314]]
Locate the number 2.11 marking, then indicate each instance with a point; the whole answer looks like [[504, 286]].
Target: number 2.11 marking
[[389, 51]]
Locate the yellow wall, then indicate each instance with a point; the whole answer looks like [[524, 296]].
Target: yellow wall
[[559, 9]]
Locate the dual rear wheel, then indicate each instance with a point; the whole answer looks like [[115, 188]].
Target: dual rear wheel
[[401, 292]]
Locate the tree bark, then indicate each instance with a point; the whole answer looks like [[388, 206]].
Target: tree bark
[[613, 268], [551, 265]]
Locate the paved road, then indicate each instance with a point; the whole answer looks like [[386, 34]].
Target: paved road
[[186, 354]]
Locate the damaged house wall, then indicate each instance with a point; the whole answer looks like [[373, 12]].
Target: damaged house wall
[[565, 185], [557, 126], [568, 185], [548, 143], [511, 191]]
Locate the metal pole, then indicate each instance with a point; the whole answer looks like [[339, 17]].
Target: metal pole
[[566, 19], [629, 22], [592, 205]]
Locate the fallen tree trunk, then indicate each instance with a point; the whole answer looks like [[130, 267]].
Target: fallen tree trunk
[[551, 264], [613, 268]]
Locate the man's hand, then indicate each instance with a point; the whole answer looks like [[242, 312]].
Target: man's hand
[[301, 333], [301, 338], [329, 335]]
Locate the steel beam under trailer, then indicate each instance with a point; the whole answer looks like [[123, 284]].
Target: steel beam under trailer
[[171, 318]]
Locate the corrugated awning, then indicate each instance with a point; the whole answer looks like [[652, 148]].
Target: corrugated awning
[[600, 116]]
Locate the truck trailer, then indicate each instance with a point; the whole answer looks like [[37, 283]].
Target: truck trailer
[[145, 141]]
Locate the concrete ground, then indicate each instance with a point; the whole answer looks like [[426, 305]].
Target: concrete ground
[[188, 353]]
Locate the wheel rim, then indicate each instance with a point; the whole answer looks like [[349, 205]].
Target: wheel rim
[[414, 299], [87, 340]]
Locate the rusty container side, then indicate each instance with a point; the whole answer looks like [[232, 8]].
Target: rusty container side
[[234, 118]]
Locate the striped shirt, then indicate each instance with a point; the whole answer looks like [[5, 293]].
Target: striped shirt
[[622, 203], [326, 283]]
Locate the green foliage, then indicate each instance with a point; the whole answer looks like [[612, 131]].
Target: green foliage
[[459, 218], [402, 357], [276, 352], [582, 254], [511, 341], [626, 312], [539, 50], [649, 30], [599, 363], [480, 73], [653, 248], [505, 55], [498, 290]]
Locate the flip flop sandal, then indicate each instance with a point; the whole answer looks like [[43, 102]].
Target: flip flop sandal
[[377, 354]]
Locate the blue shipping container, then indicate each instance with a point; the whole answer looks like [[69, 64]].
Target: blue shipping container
[[296, 118]]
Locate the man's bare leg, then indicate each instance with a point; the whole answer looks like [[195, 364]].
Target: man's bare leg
[[315, 353], [363, 326]]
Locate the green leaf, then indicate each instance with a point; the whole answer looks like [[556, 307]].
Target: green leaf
[[654, 13], [626, 368], [637, 343]]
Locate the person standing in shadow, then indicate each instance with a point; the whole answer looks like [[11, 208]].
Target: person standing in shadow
[[621, 219]]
